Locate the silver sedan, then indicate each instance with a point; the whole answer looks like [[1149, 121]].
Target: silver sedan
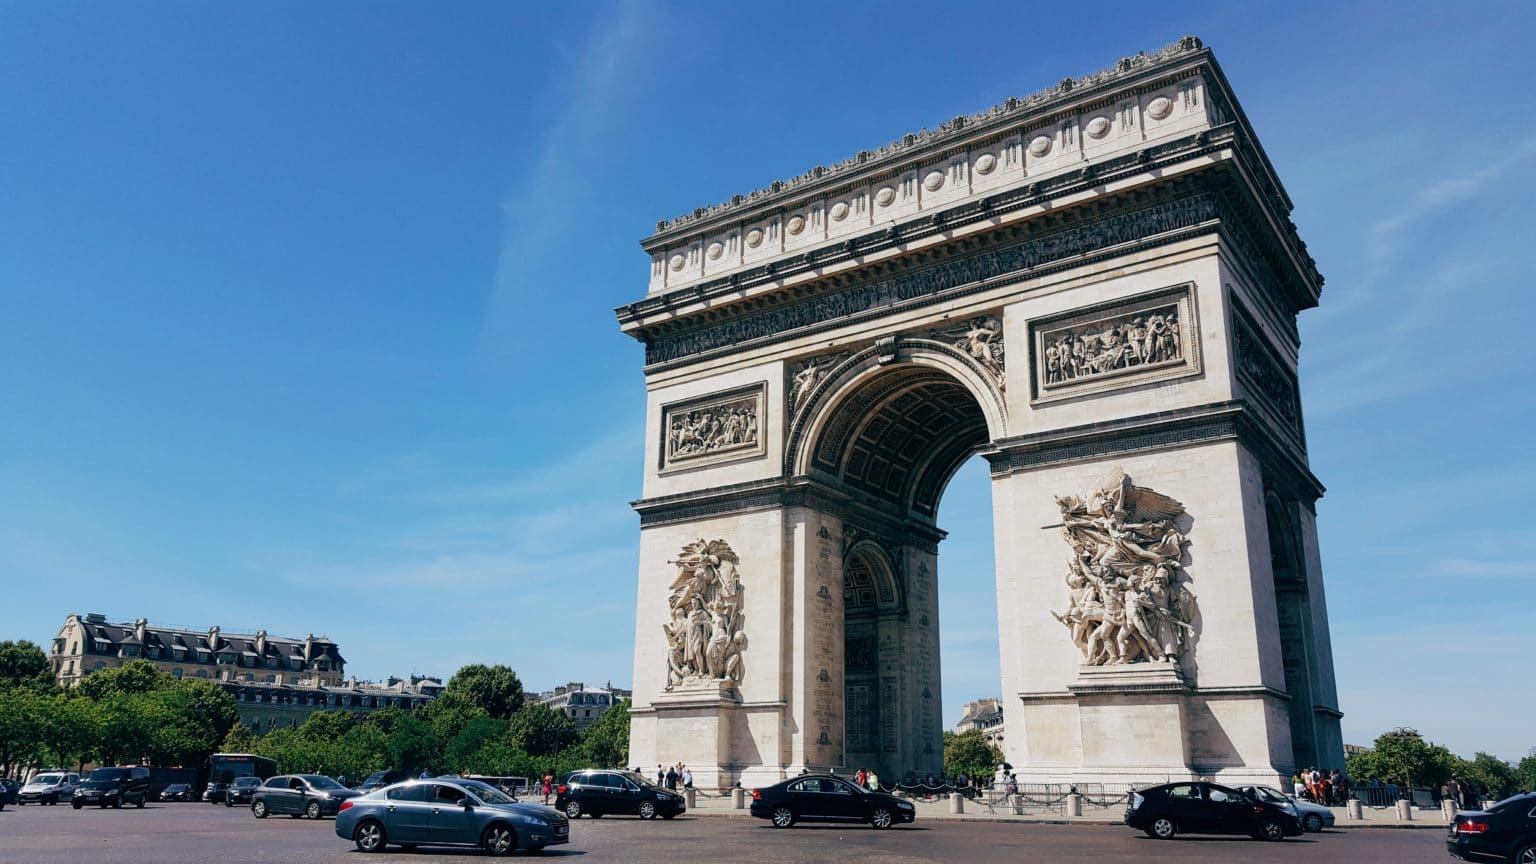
[[449, 812]]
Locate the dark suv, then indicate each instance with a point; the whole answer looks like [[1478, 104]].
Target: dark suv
[[380, 779], [114, 786], [597, 793], [1504, 832], [1193, 807]]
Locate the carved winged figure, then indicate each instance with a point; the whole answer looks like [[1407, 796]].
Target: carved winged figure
[[982, 339]]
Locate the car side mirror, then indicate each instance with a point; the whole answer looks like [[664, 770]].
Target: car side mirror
[[467, 804]]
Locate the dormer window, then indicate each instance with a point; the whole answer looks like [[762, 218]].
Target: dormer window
[[128, 651]]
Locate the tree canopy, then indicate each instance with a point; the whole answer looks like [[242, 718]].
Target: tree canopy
[[494, 689], [969, 753]]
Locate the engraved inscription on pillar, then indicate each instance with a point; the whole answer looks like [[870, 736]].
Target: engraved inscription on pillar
[[826, 640]]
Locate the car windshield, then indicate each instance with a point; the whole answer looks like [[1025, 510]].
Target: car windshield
[[487, 793], [1265, 793], [247, 781], [175, 787], [320, 781], [108, 774], [637, 778], [48, 779]]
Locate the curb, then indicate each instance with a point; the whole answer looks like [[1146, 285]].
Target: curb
[[1096, 823]]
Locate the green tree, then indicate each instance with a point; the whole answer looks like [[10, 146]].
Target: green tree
[[23, 664], [1402, 756], [21, 721], [411, 745], [1492, 776], [461, 750], [1525, 774], [327, 725], [969, 753], [239, 740], [135, 676], [196, 718], [539, 730], [69, 728], [495, 689], [450, 713], [607, 739]]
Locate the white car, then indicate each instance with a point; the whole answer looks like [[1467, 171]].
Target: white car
[[1313, 817], [48, 787]]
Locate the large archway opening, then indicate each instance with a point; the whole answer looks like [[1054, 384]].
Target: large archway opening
[[893, 441]]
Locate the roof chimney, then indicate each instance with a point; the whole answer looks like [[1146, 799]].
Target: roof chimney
[[141, 629], [261, 643], [213, 638]]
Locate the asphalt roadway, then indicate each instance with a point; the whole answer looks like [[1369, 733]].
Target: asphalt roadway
[[191, 833]]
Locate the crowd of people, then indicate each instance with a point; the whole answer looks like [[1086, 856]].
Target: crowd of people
[[673, 776], [1329, 788]]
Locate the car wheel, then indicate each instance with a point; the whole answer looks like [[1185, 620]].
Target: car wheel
[[259, 809], [782, 817], [1272, 830], [140, 804], [1314, 823], [647, 809], [77, 805], [573, 809], [312, 810], [499, 840], [1527, 855], [369, 836], [1163, 828], [881, 818]]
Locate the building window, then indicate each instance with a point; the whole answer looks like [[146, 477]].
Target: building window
[[293, 679], [271, 679], [202, 673], [176, 673]]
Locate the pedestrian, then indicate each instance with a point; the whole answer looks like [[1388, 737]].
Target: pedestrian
[[661, 775], [861, 778], [424, 774], [1012, 785], [687, 778], [548, 786], [872, 781], [1298, 788], [671, 779]]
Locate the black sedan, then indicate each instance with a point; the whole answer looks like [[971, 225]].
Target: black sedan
[[823, 797], [241, 791], [8, 792], [596, 793], [1504, 832], [1206, 808], [308, 795], [176, 792]]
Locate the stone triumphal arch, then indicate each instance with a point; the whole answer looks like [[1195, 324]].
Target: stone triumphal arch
[[1096, 288]]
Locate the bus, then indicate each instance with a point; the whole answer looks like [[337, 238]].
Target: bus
[[222, 768]]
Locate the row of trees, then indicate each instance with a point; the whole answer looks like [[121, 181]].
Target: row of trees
[[970, 753], [479, 725], [125, 714], [1405, 758]]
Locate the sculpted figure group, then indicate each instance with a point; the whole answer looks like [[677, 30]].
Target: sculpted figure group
[[705, 430], [1128, 600], [705, 636], [982, 339], [1114, 345]]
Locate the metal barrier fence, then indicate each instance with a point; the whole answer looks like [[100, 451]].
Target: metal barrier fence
[[1388, 796]]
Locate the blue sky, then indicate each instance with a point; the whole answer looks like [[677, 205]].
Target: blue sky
[[306, 309]]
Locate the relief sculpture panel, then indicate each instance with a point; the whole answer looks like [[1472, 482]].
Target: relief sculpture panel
[[1149, 338], [1130, 600], [717, 428], [705, 636]]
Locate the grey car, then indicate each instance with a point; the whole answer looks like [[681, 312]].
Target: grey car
[[449, 812]]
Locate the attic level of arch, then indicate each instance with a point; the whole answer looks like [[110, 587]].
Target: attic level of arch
[[675, 329]]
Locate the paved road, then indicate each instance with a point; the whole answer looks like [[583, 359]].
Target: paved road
[[192, 833]]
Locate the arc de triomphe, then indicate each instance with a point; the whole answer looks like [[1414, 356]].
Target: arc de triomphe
[[1096, 288]]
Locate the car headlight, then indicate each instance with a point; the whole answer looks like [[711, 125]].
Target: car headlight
[[662, 797], [531, 820], [904, 805]]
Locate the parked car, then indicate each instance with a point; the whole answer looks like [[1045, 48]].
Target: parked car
[[114, 786], [1207, 808], [816, 796], [48, 787], [449, 812], [241, 790], [597, 793], [177, 792], [1314, 817], [311, 795], [380, 779], [10, 792], [1504, 832]]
